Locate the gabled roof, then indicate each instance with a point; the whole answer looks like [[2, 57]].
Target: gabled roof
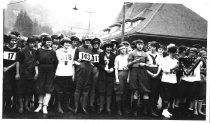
[[174, 20]]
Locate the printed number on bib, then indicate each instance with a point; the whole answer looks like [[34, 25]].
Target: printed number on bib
[[9, 55], [66, 58], [85, 56], [95, 58]]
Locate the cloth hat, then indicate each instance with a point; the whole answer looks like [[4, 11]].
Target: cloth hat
[[74, 38], [31, 40], [37, 38], [54, 37], [95, 41], [106, 45], [172, 49], [12, 37], [126, 43], [46, 38], [121, 46], [171, 45], [139, 41], [86, 38], [203, 53], [17, 34], [182, 48], [193, 49], [155, 44], [162, 46], [63, 40], [114, 42]]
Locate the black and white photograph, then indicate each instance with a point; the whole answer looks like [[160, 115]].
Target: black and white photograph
[[104, 60]]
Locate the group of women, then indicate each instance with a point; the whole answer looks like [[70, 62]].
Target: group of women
[[126, 78]]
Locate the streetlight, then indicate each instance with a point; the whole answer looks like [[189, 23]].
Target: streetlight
[[90, 12]]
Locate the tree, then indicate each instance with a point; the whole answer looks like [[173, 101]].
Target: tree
[[27, 27], [36, 28], [23, 24]]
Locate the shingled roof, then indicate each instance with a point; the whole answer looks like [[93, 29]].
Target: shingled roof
[[165, 19]]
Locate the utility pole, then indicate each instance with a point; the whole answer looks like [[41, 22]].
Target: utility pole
[[90, 12], [123, 23]]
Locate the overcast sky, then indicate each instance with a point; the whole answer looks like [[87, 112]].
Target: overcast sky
[[62, 15]]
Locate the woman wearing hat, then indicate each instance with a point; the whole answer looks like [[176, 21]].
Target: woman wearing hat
[[106, 76], [190, 81], [26, 73], [64, 72], [115, 44], [168, 80], [82, 60], [9, 84], [121, 74], [47, 63], [75, 41], [138, 80], [95, 61], [154, 82]]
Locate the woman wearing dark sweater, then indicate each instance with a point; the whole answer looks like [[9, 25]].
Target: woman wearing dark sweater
[[106, 76], [47, 63]]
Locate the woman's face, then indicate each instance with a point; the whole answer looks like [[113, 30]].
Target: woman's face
[[160, 51], [140, 46], [95, 46], [153, 49], [108, 49], [66, 44], [123, 51], [87, 43], [48, 44], [31, 45], [54, 47], [74, 43], [13, 42], [129, 50]]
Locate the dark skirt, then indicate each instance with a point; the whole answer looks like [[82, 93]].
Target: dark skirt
[[9, 82], [84, 76], [139, 80], [202, 91], [154, 82], [63, 84], [25, 87], [105, 84], [167, 91], [189, 90], [44, 82]]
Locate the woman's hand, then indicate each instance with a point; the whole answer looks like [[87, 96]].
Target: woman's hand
[[142, 64], [35, 76], [117, 81], [17, 76]]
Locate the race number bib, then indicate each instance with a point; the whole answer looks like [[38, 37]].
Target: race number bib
[[95, 58], [85, 56], [65, 58], [9, 55]]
